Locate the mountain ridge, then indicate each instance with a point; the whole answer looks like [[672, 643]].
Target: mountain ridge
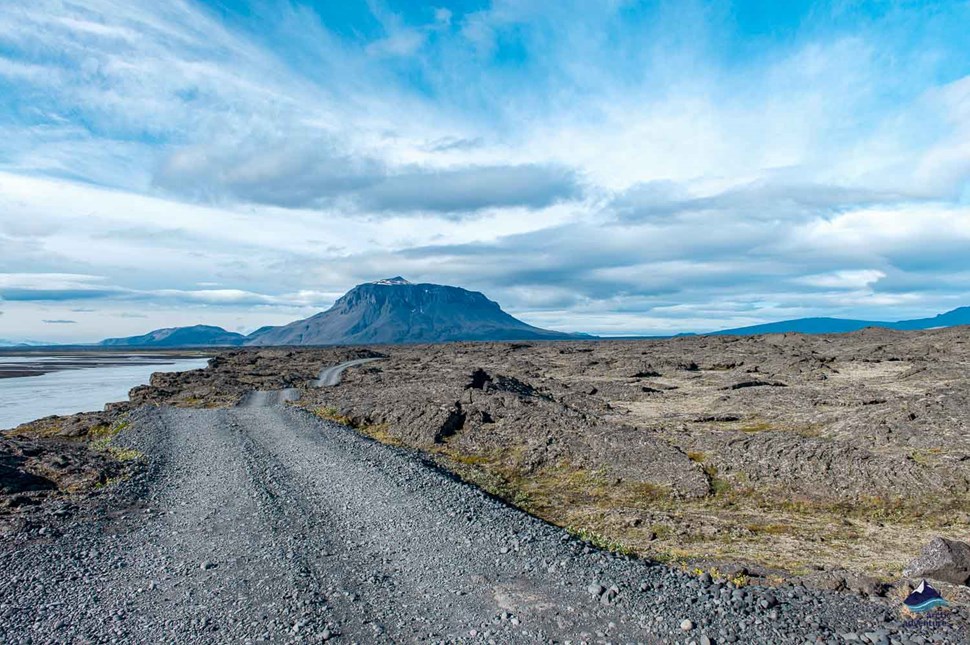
[[192, 336], [827, 325], [396, 311]]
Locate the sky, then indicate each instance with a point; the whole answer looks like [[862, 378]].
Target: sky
[[613, 167]]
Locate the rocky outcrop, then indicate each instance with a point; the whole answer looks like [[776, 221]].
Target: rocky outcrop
[[34, 470], [944, 560], [73, 426]]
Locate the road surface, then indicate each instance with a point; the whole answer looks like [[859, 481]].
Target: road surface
[[330, 376], [266, 524]]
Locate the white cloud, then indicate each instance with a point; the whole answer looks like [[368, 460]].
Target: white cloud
[[852, 279], [644, 181], [50, 281]]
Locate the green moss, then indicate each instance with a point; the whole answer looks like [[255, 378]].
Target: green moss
[[110, 481], [101, 437], [719, 486], [760, 426], [926, 456], [769, 529], [661, 531], [125, 454]]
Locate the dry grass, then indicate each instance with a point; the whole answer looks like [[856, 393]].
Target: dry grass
[[736, 522], [758, 426], [600, 541], [379, 432], [769, 529], [333, 414]]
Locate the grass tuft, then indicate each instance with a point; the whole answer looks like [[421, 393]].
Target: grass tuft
[[101, 437], [769, 529], [760, 426], [380, 432], [331, 413], [599, 540]]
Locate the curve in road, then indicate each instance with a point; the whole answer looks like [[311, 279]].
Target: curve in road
[[330, 376]]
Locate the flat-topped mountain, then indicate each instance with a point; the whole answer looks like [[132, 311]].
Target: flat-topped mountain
[[196, 336], [960, 316], [396, 311]]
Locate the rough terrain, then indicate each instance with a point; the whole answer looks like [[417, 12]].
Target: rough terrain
[[826, 457], [267, 524], [826, 461]]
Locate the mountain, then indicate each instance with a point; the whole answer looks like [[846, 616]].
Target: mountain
[[397, 311], [960, 316], [25, 343], [197, 336]]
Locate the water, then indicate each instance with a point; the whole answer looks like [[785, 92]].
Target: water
[[85, 389]]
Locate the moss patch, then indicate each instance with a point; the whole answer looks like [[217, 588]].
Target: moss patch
[[101, 438], [330, 413]]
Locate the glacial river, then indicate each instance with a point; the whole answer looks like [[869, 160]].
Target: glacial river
[[80, 387]]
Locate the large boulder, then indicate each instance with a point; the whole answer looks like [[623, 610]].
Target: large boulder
[[944, 560]]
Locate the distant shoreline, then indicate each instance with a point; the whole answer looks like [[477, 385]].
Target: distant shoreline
[[48, 350], [49, 360]]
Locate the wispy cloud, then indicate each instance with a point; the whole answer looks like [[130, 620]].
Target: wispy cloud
[[613, 167]]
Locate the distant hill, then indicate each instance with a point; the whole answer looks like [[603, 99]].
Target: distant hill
[[953, 318], [397, 311], [25, 343], [196, 336]]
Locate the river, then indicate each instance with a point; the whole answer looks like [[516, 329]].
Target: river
[[78, 383]]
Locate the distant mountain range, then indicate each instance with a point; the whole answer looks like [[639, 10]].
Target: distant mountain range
[[394, 311], [14, 343], [197, 336], [960, 316], [389, 311]]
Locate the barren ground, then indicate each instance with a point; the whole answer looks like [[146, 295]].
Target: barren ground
[[828, 458]]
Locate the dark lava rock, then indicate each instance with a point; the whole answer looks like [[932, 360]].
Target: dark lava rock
[[942, 559]]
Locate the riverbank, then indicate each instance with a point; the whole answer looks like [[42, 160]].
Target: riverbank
[[21, 362], [40, 385]]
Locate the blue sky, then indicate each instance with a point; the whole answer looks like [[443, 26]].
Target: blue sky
[[614, 167]]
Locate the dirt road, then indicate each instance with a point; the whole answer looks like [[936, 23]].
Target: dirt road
[[264, 523]]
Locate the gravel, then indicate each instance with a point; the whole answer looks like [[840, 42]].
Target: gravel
[[266, 524]]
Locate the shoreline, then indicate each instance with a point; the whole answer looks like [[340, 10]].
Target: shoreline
[[38, 363]]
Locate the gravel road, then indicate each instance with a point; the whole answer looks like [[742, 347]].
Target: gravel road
[[330, 376], [264, 523]]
